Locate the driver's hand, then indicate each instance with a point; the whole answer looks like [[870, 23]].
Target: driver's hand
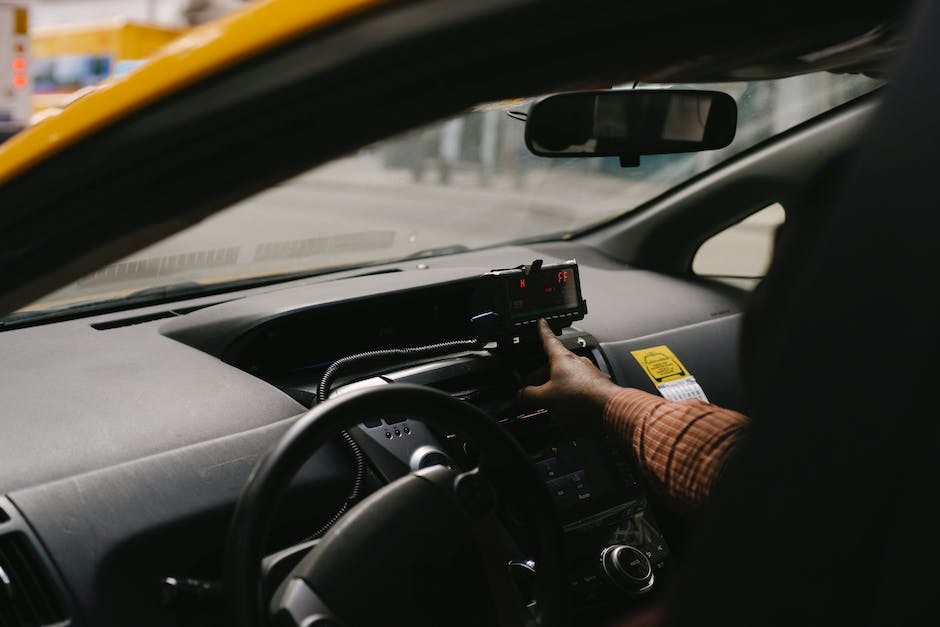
[[575, 386]]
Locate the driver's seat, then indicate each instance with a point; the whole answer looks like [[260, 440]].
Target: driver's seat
[[829, 515]]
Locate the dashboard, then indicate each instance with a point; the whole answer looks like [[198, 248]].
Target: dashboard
[[128, 436]]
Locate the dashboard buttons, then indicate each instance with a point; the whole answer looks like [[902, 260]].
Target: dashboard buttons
[[628, 567]]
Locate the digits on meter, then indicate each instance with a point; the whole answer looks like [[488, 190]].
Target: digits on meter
[[509, 302]]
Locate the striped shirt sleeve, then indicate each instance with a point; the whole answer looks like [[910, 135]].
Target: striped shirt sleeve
[[681, 447]]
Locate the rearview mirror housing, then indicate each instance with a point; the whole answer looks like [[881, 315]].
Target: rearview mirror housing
[[628, 124]]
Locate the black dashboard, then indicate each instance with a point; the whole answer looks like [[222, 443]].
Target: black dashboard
[[128, 436]]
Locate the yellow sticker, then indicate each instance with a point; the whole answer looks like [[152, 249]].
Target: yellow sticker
[[660, 364]]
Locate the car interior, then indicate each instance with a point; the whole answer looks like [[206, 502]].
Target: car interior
[[347, 446]]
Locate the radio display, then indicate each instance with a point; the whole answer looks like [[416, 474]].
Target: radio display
[[575, 474], [543, 293]]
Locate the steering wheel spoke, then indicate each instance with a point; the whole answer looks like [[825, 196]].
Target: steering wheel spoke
[[298, 605], [477, 497], [496, 549]]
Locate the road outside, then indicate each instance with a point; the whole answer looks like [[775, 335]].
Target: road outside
[[358, 209]]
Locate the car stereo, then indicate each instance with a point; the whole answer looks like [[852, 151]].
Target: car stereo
[[508, 302], [613, 544]]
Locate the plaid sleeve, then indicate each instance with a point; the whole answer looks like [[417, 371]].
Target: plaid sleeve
[[681, 447]]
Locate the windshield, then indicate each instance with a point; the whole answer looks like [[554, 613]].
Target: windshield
[[464, 183]]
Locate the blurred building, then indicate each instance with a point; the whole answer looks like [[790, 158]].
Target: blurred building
[[158, 12], [77, 44]]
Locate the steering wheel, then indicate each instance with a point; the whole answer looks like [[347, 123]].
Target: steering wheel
[[427, 549]]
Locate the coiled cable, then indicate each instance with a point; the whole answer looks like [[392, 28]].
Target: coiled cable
[[323, 392]]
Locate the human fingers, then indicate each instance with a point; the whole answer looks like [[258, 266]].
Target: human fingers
[[552, 345], [533, 395], [536, 377]]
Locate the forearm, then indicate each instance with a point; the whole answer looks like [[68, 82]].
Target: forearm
[[681, 447]]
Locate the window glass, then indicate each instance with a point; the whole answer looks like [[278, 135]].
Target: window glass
[[740, 255], [458, 184]]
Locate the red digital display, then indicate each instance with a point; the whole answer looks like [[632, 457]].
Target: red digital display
[[552, 291]]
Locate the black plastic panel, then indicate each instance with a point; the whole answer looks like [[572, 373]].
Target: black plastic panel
[[76, 399], [709, 350], [622, 301], [115, 533]]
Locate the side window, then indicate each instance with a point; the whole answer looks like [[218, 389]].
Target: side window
[[740, 255]]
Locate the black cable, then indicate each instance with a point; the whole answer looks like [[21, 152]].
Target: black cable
[[360, 463], [323, 392]]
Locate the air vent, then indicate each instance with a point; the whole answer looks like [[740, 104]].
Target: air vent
[[27, 598], [126, 322], [159, 315]]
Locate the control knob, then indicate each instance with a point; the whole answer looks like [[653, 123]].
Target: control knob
[[628, 567]]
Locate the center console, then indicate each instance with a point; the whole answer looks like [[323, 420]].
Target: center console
[[613, 544], [614, 547]]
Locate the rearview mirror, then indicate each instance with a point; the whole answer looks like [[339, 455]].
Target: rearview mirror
[[628, 124]]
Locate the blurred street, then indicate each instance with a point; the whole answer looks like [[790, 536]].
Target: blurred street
[[357, 210]]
